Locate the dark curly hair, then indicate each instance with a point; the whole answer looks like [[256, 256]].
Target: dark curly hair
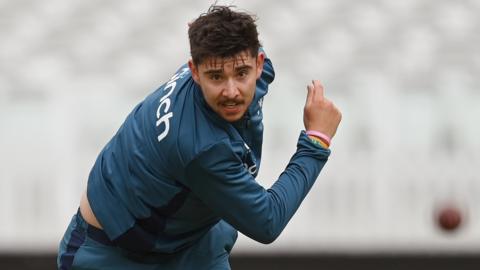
[[222, 32]]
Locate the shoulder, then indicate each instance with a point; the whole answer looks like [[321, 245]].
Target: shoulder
[[266, 78], [268, 73], [197, 134]]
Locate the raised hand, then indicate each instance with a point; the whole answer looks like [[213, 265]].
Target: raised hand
[[320, 113]]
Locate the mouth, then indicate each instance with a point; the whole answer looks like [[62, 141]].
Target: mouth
[[231, 106]]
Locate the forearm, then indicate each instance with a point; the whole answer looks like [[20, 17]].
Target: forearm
[[288, 192], [225, 186]]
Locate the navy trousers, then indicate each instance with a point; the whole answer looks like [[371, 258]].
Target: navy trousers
[[82, 248]]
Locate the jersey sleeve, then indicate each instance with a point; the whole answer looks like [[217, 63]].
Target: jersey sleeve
[[218, 177]]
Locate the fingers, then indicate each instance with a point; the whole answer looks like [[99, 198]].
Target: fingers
[[318, 89], [320, 113], [315, 92]]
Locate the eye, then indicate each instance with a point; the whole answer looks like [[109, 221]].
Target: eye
[[215, 77], [243, 73]]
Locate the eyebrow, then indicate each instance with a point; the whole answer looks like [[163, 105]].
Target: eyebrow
[[220, 70], [243, 67], [213, 71]]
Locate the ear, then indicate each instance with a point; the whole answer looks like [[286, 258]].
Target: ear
[[194, 71], [260, 61]]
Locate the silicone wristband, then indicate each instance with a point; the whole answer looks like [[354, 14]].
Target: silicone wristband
[[318, 141], [320, 135]]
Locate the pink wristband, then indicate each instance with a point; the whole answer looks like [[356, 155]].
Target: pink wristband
[[320, 135]]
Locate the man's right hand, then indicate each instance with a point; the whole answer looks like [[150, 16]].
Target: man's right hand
[[320, 114]]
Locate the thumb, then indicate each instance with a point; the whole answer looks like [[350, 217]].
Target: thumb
[[309, 95]]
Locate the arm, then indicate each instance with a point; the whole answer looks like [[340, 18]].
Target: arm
[[217, 176], [220, 180]]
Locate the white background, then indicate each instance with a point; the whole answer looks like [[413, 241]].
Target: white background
[[404, 74]]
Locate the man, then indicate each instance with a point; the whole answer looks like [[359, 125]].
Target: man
[[176, 182]]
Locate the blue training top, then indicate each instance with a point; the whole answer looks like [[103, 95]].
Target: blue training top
[[175, 168]]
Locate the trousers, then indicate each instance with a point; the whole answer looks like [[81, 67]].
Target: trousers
[[82, 248]]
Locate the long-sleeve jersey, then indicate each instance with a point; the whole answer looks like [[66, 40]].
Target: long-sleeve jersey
[[175, 168]]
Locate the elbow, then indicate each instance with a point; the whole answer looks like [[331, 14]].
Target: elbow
[[265, 234], [267, 241], [267, 237]]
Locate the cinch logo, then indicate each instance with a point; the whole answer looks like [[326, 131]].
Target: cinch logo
[[165, 103]]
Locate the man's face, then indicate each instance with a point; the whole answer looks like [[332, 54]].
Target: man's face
[[228, 84]]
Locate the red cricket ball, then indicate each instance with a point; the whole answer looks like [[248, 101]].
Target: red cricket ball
[[449, 218]]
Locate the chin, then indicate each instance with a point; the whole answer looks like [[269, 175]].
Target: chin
[[232, 118]]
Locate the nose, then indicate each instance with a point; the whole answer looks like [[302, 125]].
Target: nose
[[230, 90]]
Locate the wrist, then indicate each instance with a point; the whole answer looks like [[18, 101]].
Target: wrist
[[320, 136], [317, 141]]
